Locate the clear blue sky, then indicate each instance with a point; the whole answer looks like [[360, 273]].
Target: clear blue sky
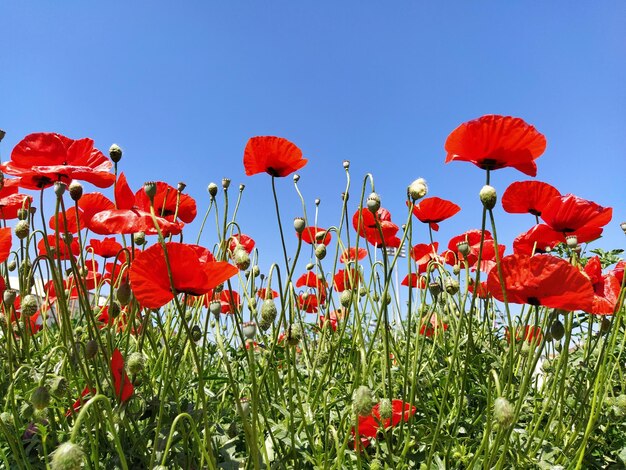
[[181, 86]]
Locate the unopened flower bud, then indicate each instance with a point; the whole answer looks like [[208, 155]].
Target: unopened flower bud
[[373, 202], [345, 197], [135, 363], [181, 187], [123, 293], [212, 189], [362, 401], [9, 297], [320, 251], [249, 330], [68, 456], [294, 334], [309, 266], [22, 229], [256, 271], [114, 310], [139, 238], [91, 349], [623, 226], [40, 398], [504, 412], [299, 224], [22, 214], [434, 288], [385, 408], [345, 298], [12, 265], [269, 313], [488, 196], [605, 325], [452, 286], [58, 385], [115, 153], [76, 190], [150, 188], [29, 305], [572, 241], [557, 330], [417, 189], [456, 269]]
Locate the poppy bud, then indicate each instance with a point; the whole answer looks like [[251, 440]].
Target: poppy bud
[[91, 349], [417, 189], [456, 269], [557, 330], [212, 189], [249, 329], [623, 226], [317, 202], [345, 298], [215, 307], [488, 196], [59, 188], [241, 257], [136, 363], [362, 401], [256, 271], [2, 134], [294, 334], [139, 238], [296, 178], [22, 214], [114, 310], [434, 288], [309, 266], [115, 153], [452, 286], [22, 229], [29, 305], [268, 314], [385, 409], [68, 456], [463, 248], [320, 252], [123, 293], [572, 241], [181, 187], [76, 190], [373, 202], [299, 224], [346, 164], [386, 299], [58, 386], [605, 325], [9, 297], [503, 412], [12, 265], [40, 398], [150, 189], [26, 411]]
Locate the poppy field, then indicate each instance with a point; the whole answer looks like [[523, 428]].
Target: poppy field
[[129, 341]]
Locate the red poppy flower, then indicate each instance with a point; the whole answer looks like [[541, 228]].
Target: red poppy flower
[[530, 197], [88, 206], [6, 240], [367, 226], [483, 290], [572, 215], [263, 292], [423, 254], [309, 302], [346, 279], [331, 319], [492, 142], [84, 396], [433, 210], [542, 280], [273, 155], [41, 159], [539, 239], [606, 288], [11, 203], [241, 240], [230, 301], [123, 387], [528, 333], [369, 426], [150, 281], [472, 238], [167, 203], [352, 254], [62, 251], [129, 218], [309, 235], [310, 279], [433, 327], [413, 279], [107, 248]]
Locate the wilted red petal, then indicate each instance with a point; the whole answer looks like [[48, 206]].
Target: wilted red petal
[[491, 142], [273, 155], [542, 280], [531, 197]]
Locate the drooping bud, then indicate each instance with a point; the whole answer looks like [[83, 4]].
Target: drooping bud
[[115, 153], [299, 224], [256, 271], [488, 196], [456, 269], [12, 265], [417, 189], [76, 190], [320, 251], [135, 363], [557, 330], [22, 214], [22, 229], [29, 305], [269, 312], [249, 330], [58, 385], [91, 349], [434, 288], [68, 456], [504, 412], [373, 202], [212, 189], [9, 297], [345, 197], [296, 177], [362, 401], [452, 286], [40, 398], [123, 293]]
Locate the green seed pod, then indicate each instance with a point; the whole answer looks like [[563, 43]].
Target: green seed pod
[[488, 196]]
